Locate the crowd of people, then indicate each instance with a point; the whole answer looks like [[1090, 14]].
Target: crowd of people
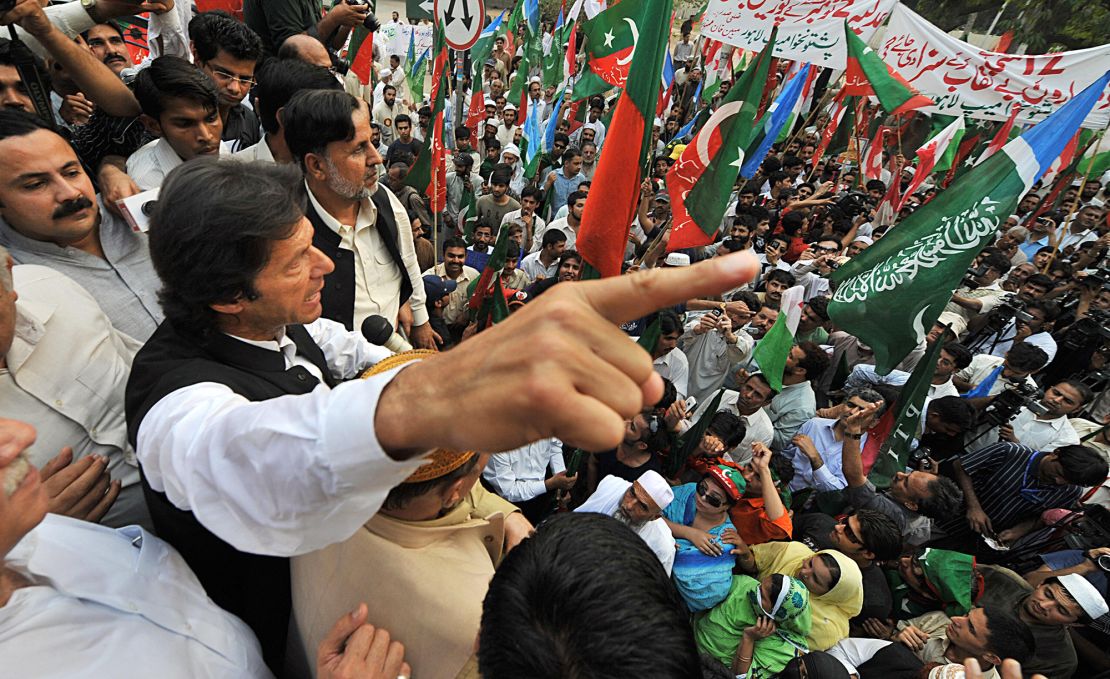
[[252, 426]]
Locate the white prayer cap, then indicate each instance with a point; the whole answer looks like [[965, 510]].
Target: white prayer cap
[[386, 73], [1096, 202], [489, 102], [511, 148], [658, 123], [677, 259], [658, 488], [866, 240], [1085, 594], [509, 107], [534, 79]]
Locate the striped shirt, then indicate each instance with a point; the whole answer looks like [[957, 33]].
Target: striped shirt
[[1004, 476]]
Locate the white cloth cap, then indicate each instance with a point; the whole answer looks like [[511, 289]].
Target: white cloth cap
[[864, 239], [511, 148], [657, 487], [386, 73], [1085, 594], [509, 107], [677, 259]]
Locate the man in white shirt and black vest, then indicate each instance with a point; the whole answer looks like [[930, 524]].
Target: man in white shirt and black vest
[[252, 450], [358, 223]]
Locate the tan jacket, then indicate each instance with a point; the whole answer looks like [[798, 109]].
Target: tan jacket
[[423, 581]]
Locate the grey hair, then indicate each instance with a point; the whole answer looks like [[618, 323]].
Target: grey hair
[[1019, 231], [5, 273]]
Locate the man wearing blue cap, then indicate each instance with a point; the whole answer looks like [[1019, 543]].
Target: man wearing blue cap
[[437, 289]]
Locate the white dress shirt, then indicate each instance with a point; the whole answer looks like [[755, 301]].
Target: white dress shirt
[[982, 365], [757, 426], [116, 603], [1002, 341], [377, 278], [66, 372], [655, 533], [283, 476], [518, 476], [532, 266], [563, 225], [710, 358], [675, 367], [150, 164], [1043, 435], [259, 151], [830, 475]]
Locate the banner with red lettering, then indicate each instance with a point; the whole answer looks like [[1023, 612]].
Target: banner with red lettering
[[810, 31], [965, 80]]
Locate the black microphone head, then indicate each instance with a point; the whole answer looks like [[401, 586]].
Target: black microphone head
[[376, 330]]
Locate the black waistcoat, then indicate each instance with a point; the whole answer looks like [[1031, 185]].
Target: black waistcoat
[[338, 296], [255, 588]]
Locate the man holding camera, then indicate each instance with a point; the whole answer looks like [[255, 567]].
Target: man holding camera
[[1045, 425], [980, 292], [714, 342]]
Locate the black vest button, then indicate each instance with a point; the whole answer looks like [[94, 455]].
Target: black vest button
[[300, 376]]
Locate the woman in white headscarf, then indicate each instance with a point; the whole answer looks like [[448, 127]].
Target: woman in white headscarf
[[510, 155]]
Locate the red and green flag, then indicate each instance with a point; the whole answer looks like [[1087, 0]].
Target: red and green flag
[[616, 183], [929, 153], [612, 38], [487, 298], [700, 182], [360, 54], [429, 172], [867, 74], [1003, 135]]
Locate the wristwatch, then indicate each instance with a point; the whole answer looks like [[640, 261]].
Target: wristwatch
[[850, 435], [90, 9]]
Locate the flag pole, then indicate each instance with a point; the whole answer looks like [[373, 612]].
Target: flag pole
[[1074, 205], [810, 118]]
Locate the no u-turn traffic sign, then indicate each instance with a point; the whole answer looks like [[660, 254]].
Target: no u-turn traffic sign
[[462, 21]]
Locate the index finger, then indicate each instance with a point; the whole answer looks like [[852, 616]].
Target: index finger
[[626, 298], [15, 437]]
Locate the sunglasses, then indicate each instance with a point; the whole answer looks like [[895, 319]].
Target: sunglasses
[[714, 501], [848, 532]]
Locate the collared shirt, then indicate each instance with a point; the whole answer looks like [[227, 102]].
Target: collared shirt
[[1002, 341], [655, 533], [981, 368], [532, 266], [518, 476], [456, 312], [210, 451], [791, 408], [1005, 479], [830, 476], [66, 372], [149, 165], [377, 278], [123, 283], [125, 593], [241, 128], [562, 187], [711, 358], [675, 367], [259, 151], [538, 225], [1043, 435], [562, 225], [989, 296]]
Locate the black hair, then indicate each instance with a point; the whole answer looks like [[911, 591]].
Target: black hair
[[280, 79], [571, 153], [582, 595], [315, 118], [961, 355], [389, 87], [781, 465], [561, 137], [492, 144], [111, 23], [402, 118], [727, 427], [568, 255], [669, 322], [779, 276], [454, 242], [1049, 308], [1083, 466], [785, 240], [943, 498], [776, 177], [212, 231], [211, 32], [670, 395], [401, 495], [792, 222], [815, 362], [462, 132], [792, 161], [875, 185], [763, 378], [553, 236], [834, 568], [1026, 357], [1085, 393], [171, 77], [575, 196], [19, 123], [532, 192], [820, 306], [1041, 280], [464, 159], [869, 394], [770, 165], [1009, 637], [880, 534], [997, 261], [953, 410]]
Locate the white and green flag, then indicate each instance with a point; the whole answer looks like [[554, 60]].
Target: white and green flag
[[890, 295], [774, 349]]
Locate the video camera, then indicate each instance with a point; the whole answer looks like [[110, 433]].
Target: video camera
[[1013, 308], [1006, 405], [854, 203], [1092, 328], [969, 280]]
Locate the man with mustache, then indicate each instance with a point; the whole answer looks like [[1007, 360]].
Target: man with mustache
[[106, 42], [180, 106], [50, 214], [359, 224]]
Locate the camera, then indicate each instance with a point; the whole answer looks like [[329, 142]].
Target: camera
[[1006, 405], [919, 459], [1103, 562], [1094, 327], [716, 312], [370, 22], [1012, 308], [969, 280], [854, 204], [1100, 278]]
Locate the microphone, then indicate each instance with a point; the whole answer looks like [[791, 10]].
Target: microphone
[[379, 331]]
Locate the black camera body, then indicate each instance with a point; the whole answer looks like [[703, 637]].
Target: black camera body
[[1092, 328], [854, 204], [370, 23], [1006, 405]]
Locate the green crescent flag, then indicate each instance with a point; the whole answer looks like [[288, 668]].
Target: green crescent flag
[[610, 40]]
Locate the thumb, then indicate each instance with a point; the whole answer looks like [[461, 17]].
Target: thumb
[[336, 637]]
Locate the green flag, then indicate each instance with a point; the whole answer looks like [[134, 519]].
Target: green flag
[[611, 39], [892, 451], [419, 9], [689, 441]]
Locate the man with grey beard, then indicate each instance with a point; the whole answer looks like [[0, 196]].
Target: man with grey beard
[[639, 505], [358, 223]]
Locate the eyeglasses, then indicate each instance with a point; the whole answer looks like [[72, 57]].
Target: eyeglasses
[[227, 76], [713, 501], [848, 532]]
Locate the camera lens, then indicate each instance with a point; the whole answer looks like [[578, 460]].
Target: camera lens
[[1103, 562]]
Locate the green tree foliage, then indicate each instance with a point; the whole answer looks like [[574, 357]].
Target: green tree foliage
[[1044, 25]]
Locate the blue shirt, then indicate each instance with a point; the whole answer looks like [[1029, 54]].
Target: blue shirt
[[1030, 249], [702, 580], [563, 187], [831, 475]]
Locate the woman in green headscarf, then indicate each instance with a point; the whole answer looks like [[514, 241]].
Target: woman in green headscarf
[[759, 627], [834, 581]]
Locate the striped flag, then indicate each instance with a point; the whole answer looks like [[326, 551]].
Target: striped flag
[[930, 153], [773, 121], [772, 351]]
